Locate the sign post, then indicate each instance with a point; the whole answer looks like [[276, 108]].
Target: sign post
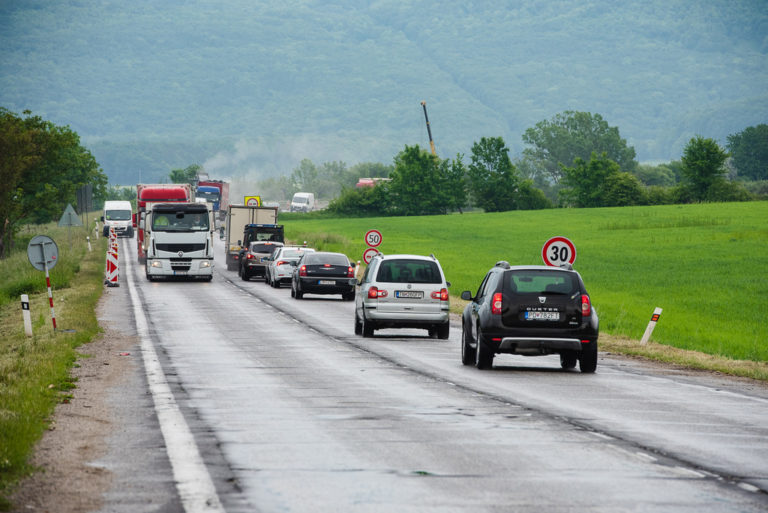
[[558, 252], [43, 253]]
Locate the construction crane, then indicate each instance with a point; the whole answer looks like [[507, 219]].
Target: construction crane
[[429, 131]]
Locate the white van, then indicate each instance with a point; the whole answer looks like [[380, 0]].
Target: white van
[[303, 202], [118, 215]]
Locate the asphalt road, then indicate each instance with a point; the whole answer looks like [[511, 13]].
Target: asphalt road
[[253, 401]]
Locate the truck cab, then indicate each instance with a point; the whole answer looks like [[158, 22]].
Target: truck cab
[[117, 215], [180, 241]]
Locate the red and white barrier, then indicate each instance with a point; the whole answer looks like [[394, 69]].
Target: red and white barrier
[[111, 273]]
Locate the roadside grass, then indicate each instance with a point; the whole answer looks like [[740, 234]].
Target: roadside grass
[[35, 371], [704, 264]]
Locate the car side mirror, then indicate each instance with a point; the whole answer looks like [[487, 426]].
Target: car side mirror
[[293, 264], [466, 295], [352, 264], [102, 219], [448, 284]]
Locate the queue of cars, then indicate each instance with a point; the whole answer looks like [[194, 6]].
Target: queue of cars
[[529, 310]]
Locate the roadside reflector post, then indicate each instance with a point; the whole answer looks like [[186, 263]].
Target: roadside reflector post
[[25, 314], [651, 324], [89, 244]]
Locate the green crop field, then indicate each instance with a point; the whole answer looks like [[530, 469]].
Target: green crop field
[[705, 265]]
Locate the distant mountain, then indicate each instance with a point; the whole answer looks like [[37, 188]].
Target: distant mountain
[[248, 87]]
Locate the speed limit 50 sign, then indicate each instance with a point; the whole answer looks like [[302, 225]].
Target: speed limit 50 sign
[[373, 238], [558, 251]]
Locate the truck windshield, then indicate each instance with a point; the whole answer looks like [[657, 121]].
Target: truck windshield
[[212, 196], [117, 215], [179, 222]]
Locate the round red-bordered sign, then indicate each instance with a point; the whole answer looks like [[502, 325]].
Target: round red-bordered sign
[[558, 251], [373, 238], [368, 255]]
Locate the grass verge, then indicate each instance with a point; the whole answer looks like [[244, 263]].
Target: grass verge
[[35, 371]]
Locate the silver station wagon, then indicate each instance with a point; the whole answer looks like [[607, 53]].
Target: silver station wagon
[[403, 291]]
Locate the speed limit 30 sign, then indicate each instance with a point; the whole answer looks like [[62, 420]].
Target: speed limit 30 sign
[[558, 251]]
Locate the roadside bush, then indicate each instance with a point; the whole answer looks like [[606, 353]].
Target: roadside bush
[[724, 190], [658, 195], [623, 189]]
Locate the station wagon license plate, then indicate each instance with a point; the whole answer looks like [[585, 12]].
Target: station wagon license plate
[[326, 282], [542, 316], [410, 294]]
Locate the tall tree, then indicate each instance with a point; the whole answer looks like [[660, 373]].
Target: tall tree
[[42, 167], [749, 152], [570, 135], [493, 179], [418, 186], [584, 183], [186, 175], [703, 166]]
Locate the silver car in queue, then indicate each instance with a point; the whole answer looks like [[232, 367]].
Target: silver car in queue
[[279, 269]]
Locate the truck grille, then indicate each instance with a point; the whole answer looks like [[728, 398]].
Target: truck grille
[[181, 264], [175, 248]]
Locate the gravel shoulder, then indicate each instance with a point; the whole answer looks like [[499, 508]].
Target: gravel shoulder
[[69, 478]]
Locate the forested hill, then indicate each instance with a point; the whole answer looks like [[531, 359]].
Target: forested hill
[[254, 87]]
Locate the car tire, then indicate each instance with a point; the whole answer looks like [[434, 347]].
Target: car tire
[[444, 331], [245, 276], [297, 294], [368, 328], [483, 354], [568, 359], [276, 284], [467, 351], [432, 332], [588, 358], [358, 325], [348, 296], [293, 290]]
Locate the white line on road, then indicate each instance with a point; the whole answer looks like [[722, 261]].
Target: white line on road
[[193, 482]]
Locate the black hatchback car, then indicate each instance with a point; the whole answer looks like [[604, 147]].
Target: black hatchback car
[[322, 272], [531, 311]]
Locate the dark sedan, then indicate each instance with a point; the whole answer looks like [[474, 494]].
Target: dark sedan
[[532, 311], [324, 273]]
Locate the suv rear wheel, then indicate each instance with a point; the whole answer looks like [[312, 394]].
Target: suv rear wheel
[[483, 354], [367, 327], [467, 351], [588, 358], [443, 331]]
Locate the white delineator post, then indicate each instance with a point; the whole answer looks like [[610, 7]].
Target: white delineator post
[[25, 314], [652, 324]]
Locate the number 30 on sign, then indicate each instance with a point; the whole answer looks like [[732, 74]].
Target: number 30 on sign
[[558, 251]]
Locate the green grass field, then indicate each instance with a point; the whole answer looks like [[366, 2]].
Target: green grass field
[[705, 265]]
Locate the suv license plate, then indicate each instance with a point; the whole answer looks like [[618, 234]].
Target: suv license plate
[[326, 282], [410, 294], [542, 316]]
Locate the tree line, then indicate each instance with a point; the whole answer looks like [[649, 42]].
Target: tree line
[[42, 166]]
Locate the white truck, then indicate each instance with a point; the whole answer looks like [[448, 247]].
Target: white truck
[[303, 202], [247, 223], [118, 215], [179, 239]]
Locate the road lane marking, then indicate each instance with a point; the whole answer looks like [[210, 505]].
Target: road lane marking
[[193, 481]]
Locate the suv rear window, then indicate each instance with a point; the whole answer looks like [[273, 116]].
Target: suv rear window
[[540, 282], [263, 248], [409, 271]]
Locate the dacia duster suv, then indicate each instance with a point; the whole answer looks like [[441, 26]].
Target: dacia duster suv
[[531, 311]]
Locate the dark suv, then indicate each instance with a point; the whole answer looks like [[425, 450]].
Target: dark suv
[[532, 311], [253, 261]]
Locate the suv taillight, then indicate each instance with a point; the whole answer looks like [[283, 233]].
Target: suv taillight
[[303, 270], [586, 308], [350, 272], [496, 304], [442, 295], [374, 293]]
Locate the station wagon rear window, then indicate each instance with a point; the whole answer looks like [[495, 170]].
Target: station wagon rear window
[[408, 271]]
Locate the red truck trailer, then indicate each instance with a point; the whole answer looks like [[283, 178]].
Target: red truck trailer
[[146, 195]]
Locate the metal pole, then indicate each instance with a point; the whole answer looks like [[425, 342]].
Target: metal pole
[[50, 294]]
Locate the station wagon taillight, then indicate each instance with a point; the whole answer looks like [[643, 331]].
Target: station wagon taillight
[[496, 304], [442, 295], [281, 262], [303, 270], [586, 308], [374, 293]]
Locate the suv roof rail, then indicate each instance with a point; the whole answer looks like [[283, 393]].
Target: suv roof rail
[[503, 264]]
